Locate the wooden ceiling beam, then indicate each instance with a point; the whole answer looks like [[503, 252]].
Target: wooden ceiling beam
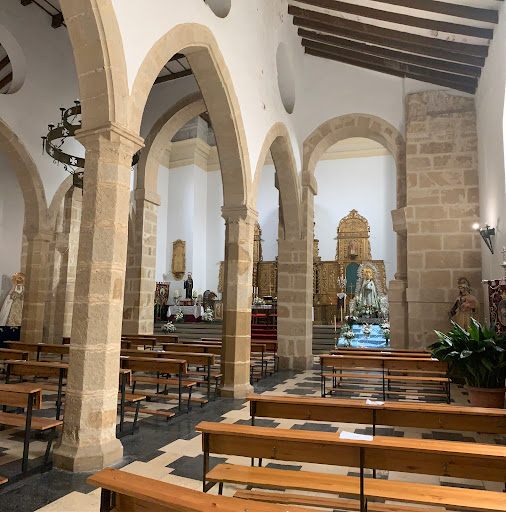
[[177, 56], [408, 58], [6, 80], [376, 67], [388, 34], [459, 11], [4, 62], [389, 43], [173, 76], [401, 19]]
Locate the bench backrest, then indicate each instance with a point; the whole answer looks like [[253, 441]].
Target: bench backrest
[[385, 353], [182, 347], [395, 414], [154, 365], [189, 357], [19, 395], [47, 348], [136, 493], [36, 369], [440, 458], [10, 353], [390, 363]]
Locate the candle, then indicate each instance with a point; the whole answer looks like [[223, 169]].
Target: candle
[[335, 324]]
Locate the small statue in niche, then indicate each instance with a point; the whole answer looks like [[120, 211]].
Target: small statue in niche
[[352, 249], [466, 305]]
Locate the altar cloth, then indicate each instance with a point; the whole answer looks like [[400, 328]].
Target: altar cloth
[[195, 311]]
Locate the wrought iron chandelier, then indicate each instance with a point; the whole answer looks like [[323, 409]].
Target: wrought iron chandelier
[[53, 142]]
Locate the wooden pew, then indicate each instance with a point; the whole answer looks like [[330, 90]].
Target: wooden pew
[[373, 351], [39, 369], [439, 458], [384, 366], [40, 348], [27, 396], [394, 414], [125, 492], [378, 353], [160, 366], [131, 342], [200, 360], [125, 379]]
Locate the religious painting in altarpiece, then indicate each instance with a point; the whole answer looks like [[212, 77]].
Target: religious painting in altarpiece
[[178, 259]]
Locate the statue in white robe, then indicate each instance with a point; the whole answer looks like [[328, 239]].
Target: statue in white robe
[[368, 288], [12, 308]]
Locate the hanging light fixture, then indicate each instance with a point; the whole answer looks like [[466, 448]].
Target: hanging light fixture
[[486, 233], [52, 143]]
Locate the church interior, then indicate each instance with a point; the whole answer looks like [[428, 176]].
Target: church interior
[[247, 242]]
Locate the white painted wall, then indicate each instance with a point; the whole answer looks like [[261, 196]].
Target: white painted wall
[[50, 83], [490, 105], [268, 213], [12, 211], [215, 234], [366, 185]]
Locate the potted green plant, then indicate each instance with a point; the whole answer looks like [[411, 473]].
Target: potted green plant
[[479, 356]]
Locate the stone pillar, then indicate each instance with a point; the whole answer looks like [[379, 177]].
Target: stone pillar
[[37, 251], [140, 295], [89, 432], [442, 205], [237, 294], [67, 243], [295, 289]]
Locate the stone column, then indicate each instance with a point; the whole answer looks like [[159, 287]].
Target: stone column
[[295, 288], [237, 294], [89, 434], [67, 244], [140, 295], [442, 205], [37, 251]]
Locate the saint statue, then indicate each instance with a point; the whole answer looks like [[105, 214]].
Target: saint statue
[[352, 249], [12, 308], [368, 288], [466, 305], [188, 286]]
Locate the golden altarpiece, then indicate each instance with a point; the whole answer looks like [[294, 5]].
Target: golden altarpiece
[[353, 250]]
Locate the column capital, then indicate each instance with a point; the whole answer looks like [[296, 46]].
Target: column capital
[[109, 131], [142, 194], [237, 213], [309, 181]]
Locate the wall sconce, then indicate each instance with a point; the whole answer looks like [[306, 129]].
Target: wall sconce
[[486, 233]]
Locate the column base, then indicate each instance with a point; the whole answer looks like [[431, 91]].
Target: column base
[[239, 391], [296, 362], [80, 459]]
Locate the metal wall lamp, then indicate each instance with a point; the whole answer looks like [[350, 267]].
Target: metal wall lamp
[[486, 233]]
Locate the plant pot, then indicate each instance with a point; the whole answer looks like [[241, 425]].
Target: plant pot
[[486, 397]]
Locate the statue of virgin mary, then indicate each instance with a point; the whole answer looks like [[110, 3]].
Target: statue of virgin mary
[[12, 308], [368, 289]]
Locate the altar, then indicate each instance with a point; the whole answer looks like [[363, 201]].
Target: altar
[[190, 313]]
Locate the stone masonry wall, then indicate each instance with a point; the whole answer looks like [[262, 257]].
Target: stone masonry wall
[[442, 205]]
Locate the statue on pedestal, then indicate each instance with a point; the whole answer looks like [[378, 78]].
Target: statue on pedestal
[[188, 286], [466, 305], [368, 289]]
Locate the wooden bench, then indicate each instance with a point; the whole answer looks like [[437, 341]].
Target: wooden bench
[[39, 369], [28, 397], [393, 414], [379, 353], [385, 369], [160, 366], [430, 457], [126, 492], [128, 342], [125, 379], [40, 348], [200, 360]]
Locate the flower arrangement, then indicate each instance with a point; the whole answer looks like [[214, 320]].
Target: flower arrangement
[[195, 294], [351, 320], [385, 327], [258, 301], [169, 327], [366, 329], [348, 335], [208, 315], [176, 296], [179, 316]]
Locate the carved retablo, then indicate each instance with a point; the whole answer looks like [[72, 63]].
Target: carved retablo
[[178, 259], [353, 238]]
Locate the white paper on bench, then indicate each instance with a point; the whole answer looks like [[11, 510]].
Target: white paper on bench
[[372, 402], [355, 437]]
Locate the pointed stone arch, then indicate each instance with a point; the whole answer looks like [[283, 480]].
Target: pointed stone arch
[[277, 141]]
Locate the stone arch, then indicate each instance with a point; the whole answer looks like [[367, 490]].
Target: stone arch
[[358, 125], [278, 142], [100, 61], [211, 72], [57, 201], [162, 131], [29, 179]]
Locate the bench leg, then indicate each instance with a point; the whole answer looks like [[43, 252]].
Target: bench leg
[[52, 437], [134, 426], [107, 500], [28, 435], [188, 407], [220, 488]]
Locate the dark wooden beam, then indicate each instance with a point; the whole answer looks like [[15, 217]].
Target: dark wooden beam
[[173, 76], [388, 34], [402, 19], [408, 58], [57, 20], [459, 11], [26, 2], [390, 43], [4, 62], [388, 71], [177, 56], [6, 80], [396, 68]]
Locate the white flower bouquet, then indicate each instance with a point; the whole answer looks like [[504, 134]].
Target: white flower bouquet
[[179, 316], [169, 327], [208, 315]]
